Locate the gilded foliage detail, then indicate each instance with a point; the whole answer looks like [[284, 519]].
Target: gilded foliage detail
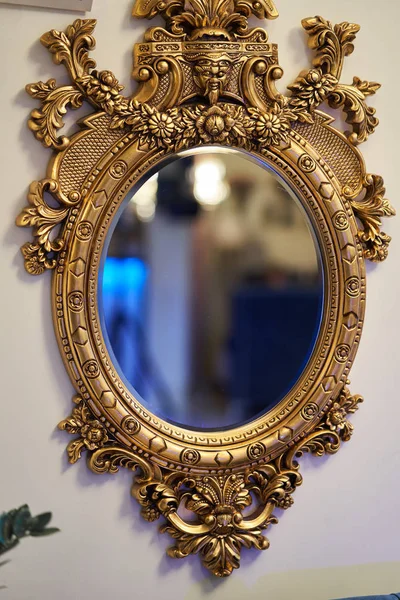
[[92, 432], [192, 16], [313, 87], [232, 510], [351, 98], [333, 429], [44, 218], [221, 529], [331, 43], [46, 121], [72, 47], [247, 126], [369, 210]]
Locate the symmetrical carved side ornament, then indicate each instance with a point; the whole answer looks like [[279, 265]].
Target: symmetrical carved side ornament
[[204, 79]]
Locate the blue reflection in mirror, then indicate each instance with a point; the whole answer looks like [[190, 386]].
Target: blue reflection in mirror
[[212, 291]]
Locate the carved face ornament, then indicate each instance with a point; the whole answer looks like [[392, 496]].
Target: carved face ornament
[[211, 76]]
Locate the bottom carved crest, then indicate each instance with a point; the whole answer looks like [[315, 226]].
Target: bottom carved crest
[[220, 528]]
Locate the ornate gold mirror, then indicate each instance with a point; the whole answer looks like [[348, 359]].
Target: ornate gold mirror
[[208, 238]]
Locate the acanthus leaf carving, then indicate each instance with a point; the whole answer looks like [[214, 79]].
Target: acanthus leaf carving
[[351, 98], [44, 219], [72, 47], [221, 529], [195, 15], [332, 430], [45, 122], [321, 83], [369, 210], [331, 43]]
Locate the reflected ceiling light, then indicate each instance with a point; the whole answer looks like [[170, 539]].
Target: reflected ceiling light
[[145, 199], [146, 212], [210, 187]]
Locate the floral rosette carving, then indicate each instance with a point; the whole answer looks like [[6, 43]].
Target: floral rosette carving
[[101, 88], [337, 419], [223, 123], [92, 432], [273, 127], [311, 89]]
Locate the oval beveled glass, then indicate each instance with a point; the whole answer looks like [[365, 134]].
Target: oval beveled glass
[[212, 290]]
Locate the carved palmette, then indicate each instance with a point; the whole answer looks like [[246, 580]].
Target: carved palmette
[[205, 78]]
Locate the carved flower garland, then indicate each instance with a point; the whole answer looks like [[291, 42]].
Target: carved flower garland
[[336, 420], [312, 88], [183, 127], [273, 127], [93, 434], [102, 88], [214, 125]]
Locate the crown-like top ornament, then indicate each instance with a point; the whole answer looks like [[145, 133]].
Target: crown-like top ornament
[[199, 19], [207, 43], [206, 77]]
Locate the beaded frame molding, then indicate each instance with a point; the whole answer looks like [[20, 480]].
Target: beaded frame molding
[[205, 79]]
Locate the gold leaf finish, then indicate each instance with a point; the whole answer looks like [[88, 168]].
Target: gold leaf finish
[[92, 432], [45, 122], [207, 78], [369, 211], [43, 218]]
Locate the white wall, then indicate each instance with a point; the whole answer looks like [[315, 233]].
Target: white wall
[[342, 535]]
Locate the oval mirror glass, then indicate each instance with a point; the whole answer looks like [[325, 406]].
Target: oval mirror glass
[[212, 290]]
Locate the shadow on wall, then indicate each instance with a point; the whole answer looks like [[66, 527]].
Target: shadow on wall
[[312, 584]]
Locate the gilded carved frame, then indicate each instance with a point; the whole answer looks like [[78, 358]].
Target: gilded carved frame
[[204, 79]]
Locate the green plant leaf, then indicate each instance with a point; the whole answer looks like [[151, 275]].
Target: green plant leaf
[[21, 520], [39, 523], [45, 532]]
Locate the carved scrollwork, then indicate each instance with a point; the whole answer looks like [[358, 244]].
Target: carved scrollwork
[[221, 530], [218, 502], [313, 87], [44, 218], [332, 430], [351, 98], [369, 210], [331, 43], [197, 15], [45, 122], [204, 79], [72, 47]]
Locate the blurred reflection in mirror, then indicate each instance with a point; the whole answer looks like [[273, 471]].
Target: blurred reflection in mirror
[[212, 291]]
